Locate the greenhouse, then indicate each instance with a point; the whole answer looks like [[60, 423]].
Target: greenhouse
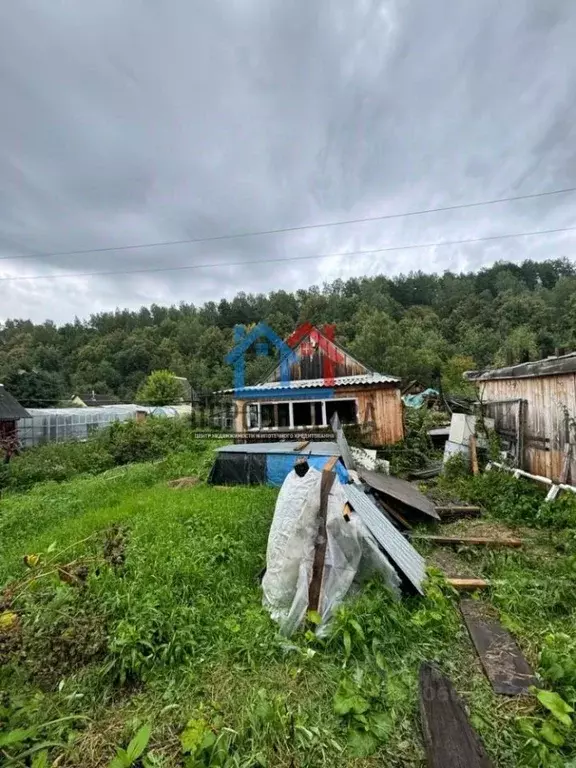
[[58, 424]]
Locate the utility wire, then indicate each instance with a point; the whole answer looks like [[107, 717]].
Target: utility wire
[[212, 265], [282, 230]]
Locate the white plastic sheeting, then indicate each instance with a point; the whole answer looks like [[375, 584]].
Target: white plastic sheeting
[[351, 553]]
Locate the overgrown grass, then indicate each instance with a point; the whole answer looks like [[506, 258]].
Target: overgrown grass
[[155, 617], [119, 444]]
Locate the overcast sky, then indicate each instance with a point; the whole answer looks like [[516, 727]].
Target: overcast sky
[[143, 121]]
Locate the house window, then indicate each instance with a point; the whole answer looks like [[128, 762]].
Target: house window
[[346, 410], [305, 413], [302, 414], [252, 416], [283, 415]]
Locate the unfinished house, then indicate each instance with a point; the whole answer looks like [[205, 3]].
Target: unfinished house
[[534, 408], [323, 379]]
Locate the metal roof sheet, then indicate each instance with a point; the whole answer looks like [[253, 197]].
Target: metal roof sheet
[[340, 381], [401, 552], [10, 408], [315, 448], [399, 489], [549, 366]]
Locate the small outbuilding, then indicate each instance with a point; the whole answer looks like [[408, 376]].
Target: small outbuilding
[[270, 463], [534, 408], [10, 413], [322, 380]]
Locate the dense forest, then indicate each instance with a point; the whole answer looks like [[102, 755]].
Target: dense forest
[[429, 327]]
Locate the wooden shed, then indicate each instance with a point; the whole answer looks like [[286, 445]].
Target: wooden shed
[[534, 407], [10, 412], [324, 379]]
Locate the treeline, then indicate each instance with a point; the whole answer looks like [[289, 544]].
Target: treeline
[[429, 327]]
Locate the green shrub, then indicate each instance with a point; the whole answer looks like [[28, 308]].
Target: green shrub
[[121, 443], [56, 461]]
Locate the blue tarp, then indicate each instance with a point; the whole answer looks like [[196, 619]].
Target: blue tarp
[[279, 466]]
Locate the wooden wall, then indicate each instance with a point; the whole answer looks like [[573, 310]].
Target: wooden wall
[[549, 411], [383, 406], [380, 404]]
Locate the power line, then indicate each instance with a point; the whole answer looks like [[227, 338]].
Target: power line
[[283, 230], [212, 265]]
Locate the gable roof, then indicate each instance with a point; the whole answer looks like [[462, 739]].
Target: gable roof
[[335, 352], [10, 408]]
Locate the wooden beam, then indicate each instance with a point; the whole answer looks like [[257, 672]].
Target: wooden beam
[[467, 585], [396, 516], [502, 660], [302, 445], [565, 473], [473, 454], [455, 512], [469, 541], [331, 463], [449, 739], [315, 588]]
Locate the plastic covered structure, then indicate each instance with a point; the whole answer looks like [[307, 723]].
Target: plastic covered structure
[[351, 552]]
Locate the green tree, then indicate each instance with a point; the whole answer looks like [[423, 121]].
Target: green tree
[[160, 388], [35, 389]]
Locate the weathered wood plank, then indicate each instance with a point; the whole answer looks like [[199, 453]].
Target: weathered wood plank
[[567, 460], [469, 541], [320, 551], [449, 739], [467, 585], [455, 511], [503, 662]]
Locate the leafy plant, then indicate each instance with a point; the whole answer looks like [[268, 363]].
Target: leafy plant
[[126, 758], [358, 701]]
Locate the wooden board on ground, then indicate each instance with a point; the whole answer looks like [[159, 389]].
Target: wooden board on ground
[[455, 512], [467, 585], [449, 739], [395, 489], [469, 541], [503, 662]]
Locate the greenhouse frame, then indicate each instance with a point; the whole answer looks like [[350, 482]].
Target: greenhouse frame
[[47, 425]]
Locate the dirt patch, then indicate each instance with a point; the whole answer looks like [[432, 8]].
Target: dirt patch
[[184, 482], [450, 564]]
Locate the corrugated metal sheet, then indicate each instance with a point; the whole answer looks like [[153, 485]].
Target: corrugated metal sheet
[[341, 381], [399, 489], [548, 366], [10, 408], [401, 552], [315, 448]]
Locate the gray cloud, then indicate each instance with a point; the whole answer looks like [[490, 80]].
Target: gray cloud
[[140, 121]]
